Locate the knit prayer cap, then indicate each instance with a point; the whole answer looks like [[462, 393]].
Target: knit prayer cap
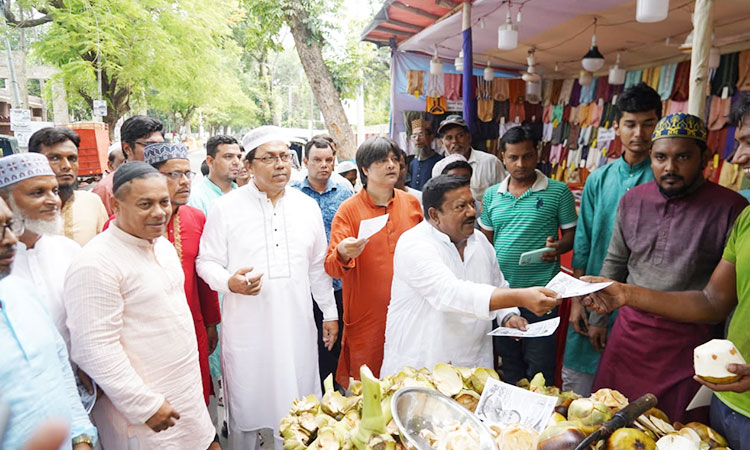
[[21, 166], [680, 125], [130, 171], [163, 151]]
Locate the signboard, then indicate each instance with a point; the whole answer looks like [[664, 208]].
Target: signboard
[[19, 118], [100, 108]]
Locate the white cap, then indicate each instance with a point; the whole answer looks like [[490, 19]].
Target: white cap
[[263, 135], [345, 166], [437, 169], [115, 146]]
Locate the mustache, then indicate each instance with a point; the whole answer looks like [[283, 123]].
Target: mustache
[[671, 175], [471, 219], [8, 252]]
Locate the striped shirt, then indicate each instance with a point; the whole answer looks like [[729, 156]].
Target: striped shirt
[[521, 224]]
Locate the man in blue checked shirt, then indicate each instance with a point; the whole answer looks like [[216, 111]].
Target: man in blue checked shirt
[[319, 159], [36, 380]]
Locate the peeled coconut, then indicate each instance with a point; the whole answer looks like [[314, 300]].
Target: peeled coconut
[[517, 437], [677, 442], [589, 414], [447, 379], [712, 358], [708, 434]]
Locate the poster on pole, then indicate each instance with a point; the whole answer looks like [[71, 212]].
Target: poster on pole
[[19, 118], [100, 108]]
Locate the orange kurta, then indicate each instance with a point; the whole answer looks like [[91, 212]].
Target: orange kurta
[[367, 278]]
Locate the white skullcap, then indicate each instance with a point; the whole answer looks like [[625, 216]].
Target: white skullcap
[[21, 166], [263, 135], [345, 166], [115, 146], [437, 169]]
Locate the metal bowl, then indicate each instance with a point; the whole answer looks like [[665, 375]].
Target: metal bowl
[[415, 409]]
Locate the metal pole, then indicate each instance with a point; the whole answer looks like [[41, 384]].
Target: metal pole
[[702, 29], [13, 81]]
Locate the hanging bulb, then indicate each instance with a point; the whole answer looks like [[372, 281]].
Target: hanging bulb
[[518, 17], [616, 74], [507, 35], [489, 73], [557, 67], [593, 60], [459, 62], [481, 23], [714, 58], [530, 76], [649, 11]]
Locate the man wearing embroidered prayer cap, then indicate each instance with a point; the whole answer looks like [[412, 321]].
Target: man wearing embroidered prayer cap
[[184, 231], [669, 235], [130, 325], [263, 247], [29, 186]]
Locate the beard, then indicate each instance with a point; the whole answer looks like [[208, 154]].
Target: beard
[[37, 226]]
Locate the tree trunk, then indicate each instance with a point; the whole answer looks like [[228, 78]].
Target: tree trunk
[[321, 82]]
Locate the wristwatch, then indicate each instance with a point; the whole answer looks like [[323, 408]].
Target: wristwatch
[[83, 439]]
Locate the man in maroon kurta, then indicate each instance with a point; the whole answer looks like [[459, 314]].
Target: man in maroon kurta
[[669, 235], [184, 232]]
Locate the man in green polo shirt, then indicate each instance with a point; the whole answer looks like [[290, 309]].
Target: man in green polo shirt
[[728, 288], [525, 212]]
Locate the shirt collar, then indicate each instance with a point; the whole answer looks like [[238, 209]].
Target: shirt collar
[[646, 163], [211, 185], [255, 192], [541, 183], [129, 238], [330, 186], [371, 204]]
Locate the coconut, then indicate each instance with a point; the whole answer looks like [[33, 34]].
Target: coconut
[[677, 442], [712, 358]]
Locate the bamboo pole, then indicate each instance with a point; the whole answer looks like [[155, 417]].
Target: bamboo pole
[[702, 31]]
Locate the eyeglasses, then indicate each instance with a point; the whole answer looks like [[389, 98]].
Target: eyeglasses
[[176, 176], [15, 226], [270, 159], [419, 135]]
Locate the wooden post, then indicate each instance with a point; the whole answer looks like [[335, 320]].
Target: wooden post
[[702, 31]]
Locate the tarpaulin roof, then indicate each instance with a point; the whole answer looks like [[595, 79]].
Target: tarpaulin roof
[[559, 30]]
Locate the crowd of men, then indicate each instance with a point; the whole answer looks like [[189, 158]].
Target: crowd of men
[[121, 312]]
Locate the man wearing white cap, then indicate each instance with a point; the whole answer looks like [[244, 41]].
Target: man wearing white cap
[[29, 186], [348, 170], [130, 325], [263, 247]]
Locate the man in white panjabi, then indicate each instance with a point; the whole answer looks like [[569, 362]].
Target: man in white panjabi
[[263, 247], [42, 254], [447, 287], [130, 325]]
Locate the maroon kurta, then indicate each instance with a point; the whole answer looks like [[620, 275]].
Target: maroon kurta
[[203, 302], [666, 244]]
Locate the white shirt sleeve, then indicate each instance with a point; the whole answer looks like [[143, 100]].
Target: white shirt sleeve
[[501, 282], [421, 267], [213, 259], [321, 284]]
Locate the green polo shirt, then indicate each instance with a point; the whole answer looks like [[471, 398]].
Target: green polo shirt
[[737, 252], [521, 224]]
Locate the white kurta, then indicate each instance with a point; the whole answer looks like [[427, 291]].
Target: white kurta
[[268, 342], [45, 266], [132, 332], [487, 169], [440, 304]]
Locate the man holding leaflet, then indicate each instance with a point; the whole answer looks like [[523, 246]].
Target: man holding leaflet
[[365, 266]]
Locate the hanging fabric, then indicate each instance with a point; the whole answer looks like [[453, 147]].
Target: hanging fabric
[[415, 82], [666, 80]]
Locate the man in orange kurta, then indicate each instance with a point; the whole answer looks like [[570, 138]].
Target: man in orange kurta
[[367, 277]]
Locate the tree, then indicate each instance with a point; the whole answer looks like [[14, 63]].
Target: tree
[[141, 48]]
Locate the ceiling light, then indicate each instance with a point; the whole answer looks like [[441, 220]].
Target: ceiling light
[[459, 62], [616, 74], [489, 73], [436, 66], [649, 11], [507, 35], [593, 60]]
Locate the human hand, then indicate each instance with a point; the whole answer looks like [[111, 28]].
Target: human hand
[[539, 300], [164, 418], [608, 299], [49, 436], [330, 333], [598, 337], [242, 282], [516, 321], [213, 338], [552, 256], [739, 386], [350, 248], [579, 318]]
